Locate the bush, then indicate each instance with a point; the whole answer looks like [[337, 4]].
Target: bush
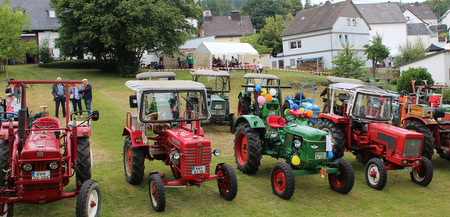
[[418, 74], [45, 52], [446, 98], [73, 64]]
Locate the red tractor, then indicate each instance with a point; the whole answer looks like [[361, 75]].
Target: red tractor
[[37, 162], [363, 129], [169, 113]]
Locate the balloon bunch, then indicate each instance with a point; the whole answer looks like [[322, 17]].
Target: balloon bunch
[[263, 95], [304, 112]]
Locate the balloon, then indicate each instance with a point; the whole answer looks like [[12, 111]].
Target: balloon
[[258, 88], [263, 91], [286, 111], [295, 160], [330, 155], [309, 113], [261, 99], [268, 97], [295, 107], [272, 92], [301, 109]]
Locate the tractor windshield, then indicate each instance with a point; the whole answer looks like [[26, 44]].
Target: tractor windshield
[[215, 83], [372, 107], [263, 82], [173, 106]]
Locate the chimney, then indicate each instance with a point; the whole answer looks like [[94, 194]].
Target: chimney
[[235, 16]]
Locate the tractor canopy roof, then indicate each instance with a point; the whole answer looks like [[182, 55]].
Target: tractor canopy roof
[[335, 80], [155, 75], [173, 85], [261, 76], [360, 88], [210, 72]]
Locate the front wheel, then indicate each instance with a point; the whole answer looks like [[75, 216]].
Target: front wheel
[[227, 183], [83, 159], [8, 209], [342, 183], [422, 174], [157, 192], [376, 173], [89, 199], [283, 180], [133, 162]]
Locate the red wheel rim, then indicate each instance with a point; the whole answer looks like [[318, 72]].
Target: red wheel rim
[[239, 108], [129, 158], [224, 183], [242, 149], [339, 180], [279, 181], [154, 196]]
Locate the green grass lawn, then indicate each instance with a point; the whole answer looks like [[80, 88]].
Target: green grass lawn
[[312, 197]]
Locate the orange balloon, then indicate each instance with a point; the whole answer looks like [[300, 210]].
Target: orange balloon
[[268, 97], [309, 113]]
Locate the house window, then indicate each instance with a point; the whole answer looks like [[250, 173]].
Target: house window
[[293, 45], [346, 38], [354, 22], [274, 64], [207, 14], [292, 63], [340, 38], [51, 14], [348, 21], [299, 44], [407, 18]]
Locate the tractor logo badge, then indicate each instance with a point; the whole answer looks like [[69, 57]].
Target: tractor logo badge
[[40, 154], [314, 146]]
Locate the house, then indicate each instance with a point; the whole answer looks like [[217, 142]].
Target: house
[[226, 28], [43, 23], [438, 65], [316, 35], [416, 12], [445, 19], [387, 20], [420, 31]]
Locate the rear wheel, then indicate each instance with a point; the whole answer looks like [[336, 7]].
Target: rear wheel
[[89, 199], [83, 159], [428, 140], [133, 162], [376, 173], [443, 154], [244, 106], [232, 122], [247, 149], [337, 137], [6, 206], [342, 183], [283, 180], [422, 174], [4, 161], [157, 192], [228, 184]]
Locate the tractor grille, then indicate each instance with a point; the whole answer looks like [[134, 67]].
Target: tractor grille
[[412, 148], [196, 156]]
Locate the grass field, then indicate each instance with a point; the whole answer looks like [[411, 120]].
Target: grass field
[[312, 197]]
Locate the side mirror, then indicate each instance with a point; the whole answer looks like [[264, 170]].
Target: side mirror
[[133, 101], [95, 115]]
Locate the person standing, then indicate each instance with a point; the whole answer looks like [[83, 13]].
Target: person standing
[[180, 62], [190, 61], [14, 90], [58, 92], [87, 94], [76, 99], [260, 67]]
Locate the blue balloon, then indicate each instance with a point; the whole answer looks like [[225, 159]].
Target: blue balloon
[[330, 154], [295, 107], [258, 88]]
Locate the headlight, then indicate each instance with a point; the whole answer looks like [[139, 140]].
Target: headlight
[[54, 166], [27, 167], [404, 161], [297, 143], [176, 155], [417, 162], [216, 152]]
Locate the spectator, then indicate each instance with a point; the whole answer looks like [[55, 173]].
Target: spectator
[[14, 90], [75, 97], [87, 94], [190, 61], [12, 106], [180, 62], [58, 92], [259, 67], [233, 61]]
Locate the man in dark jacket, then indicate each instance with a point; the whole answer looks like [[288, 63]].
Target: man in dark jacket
[[59, 96], [87, 94]]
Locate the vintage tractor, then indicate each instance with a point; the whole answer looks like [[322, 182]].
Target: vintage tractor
[[169, 113], [156, 76], [363, 129], [217, 89], [38, 162], [303, 103], [305, 149]]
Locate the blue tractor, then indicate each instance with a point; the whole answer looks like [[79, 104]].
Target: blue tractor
[[303, 104]]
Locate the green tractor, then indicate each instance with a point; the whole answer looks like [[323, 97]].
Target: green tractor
[[285, 135]]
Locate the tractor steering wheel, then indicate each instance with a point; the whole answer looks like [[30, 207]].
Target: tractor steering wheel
[[160, 114], [291, 118], [35, 124]]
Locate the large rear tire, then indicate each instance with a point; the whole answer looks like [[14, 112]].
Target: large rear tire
[[283, 180], [157, 192], [133, 162], [83, 159], [337, 137], [247, 149], [443, 154], [342, 183], [4, 161], [244, 105], [228, 184], [428, 139], [376, 174], [89, 199], [423, 174]]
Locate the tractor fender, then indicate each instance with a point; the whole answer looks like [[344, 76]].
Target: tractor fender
[[253, 120], [415, 118], [133, 135], [333, 117], [83, 131], [218, 166], [243, 94]]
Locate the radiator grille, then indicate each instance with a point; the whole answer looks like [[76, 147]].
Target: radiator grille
[[412, 148], [196, 156]]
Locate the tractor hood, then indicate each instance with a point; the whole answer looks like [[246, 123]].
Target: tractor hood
[[308, 133], [217, 98], [41, 146]]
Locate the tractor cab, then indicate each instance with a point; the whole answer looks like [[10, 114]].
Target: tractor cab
[[156, 76], [371, 103]]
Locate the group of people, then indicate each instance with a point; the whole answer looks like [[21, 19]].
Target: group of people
[[189, 60], [12, 103], [220, 63], [76, 93]]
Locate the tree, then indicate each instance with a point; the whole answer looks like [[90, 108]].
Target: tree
[[12, 47], [271, 34], [346, 63], [254, 41], [119, 31], [376, 52], [410, 51], [418, 74], [439, 7], [219, 7], [259, 10], [45, 52]]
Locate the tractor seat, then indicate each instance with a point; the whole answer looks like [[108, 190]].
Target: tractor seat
[[438, 112], [275, 122], [46, 122], [297, 113], [299, 97], [6, 124]]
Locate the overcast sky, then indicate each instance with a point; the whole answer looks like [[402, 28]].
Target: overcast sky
[[363, 1]]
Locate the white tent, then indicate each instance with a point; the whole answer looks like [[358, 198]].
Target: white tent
[[244, 52]]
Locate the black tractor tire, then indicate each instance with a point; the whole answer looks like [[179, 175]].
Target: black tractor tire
[[443, 154], [282, 179], [228, 185], [156, 192], [428, 140], [133, 162], [376, 174], [4, 161], [232, 123], [337, 137], [424, 176], [244, 105], [83, 159], [89, 199], [10, 213], [247, 149], [342, 183]]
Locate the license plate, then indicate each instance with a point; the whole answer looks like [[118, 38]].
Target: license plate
[[407, 169], [219, 106], [272, 114], [35, 175], [198, 169], [321, 155]]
